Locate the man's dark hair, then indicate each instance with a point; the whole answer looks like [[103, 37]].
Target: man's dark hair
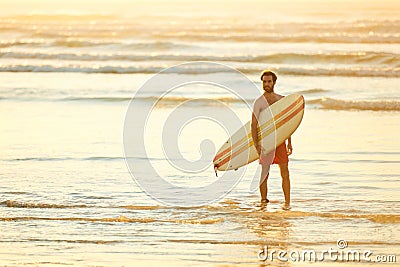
[[269, 73]]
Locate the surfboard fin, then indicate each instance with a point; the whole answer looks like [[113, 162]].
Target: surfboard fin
[[215, 169]]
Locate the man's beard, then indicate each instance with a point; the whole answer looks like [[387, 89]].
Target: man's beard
[[269, 89]]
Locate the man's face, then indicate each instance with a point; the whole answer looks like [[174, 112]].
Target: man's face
[[268, 83]]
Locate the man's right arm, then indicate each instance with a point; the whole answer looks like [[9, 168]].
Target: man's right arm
[[254, 130]]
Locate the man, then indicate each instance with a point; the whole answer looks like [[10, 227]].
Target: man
[[282, 152]]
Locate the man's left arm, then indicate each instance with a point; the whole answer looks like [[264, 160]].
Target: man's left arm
[[289, 146]]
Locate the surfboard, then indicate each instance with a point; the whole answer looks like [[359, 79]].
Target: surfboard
[[276, 124]]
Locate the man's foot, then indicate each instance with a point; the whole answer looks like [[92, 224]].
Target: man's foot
[[264, 201], [286, 206]]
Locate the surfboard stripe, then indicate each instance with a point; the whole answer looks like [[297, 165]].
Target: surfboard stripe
[[262, 128], [278, 125]]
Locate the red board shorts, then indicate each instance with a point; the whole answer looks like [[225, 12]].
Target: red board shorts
[[280, 156]]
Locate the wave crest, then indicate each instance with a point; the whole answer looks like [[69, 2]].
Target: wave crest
[[18, 204], [340, 104], [386, 59], [358, 71]]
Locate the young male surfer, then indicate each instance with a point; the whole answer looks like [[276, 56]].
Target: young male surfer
[[280, 155]]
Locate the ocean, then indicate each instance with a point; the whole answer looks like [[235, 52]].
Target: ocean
[[78, 79]]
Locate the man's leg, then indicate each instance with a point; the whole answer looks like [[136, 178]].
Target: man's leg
[[263, 181], [285, 181]]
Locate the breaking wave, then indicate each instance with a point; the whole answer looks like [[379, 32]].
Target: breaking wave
[[358, 71], [340, 104], [388, 59]]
